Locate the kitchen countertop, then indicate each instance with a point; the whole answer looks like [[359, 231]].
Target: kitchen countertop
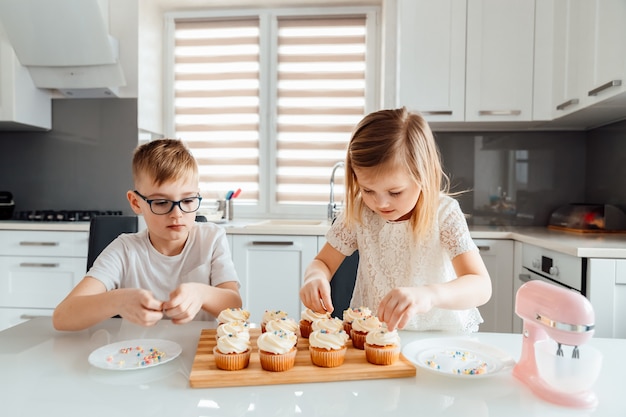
[[584, 245], [45, 372]]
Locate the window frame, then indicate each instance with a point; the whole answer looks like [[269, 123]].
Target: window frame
[[267, 206]]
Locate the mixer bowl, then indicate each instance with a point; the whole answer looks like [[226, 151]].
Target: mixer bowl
[[564, 373]]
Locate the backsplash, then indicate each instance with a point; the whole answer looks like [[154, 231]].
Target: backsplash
[[515, 178], [83, 163]]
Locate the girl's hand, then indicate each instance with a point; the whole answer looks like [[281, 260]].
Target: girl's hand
[[140, 307], [184, 303], [402, 303], [315, 294]]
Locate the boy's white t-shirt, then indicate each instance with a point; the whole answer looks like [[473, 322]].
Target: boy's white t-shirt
[[130, 261]]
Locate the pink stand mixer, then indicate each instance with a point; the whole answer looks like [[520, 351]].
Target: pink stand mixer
[[555, 317]]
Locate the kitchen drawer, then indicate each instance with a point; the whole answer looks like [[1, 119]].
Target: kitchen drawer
[[43, 243], [41, 282], [10, 317]]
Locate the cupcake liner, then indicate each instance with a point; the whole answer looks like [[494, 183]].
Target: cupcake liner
[[358, 339], [327, 358], [231, 361], [305, 328], [382, 355], [277, 362], [347, 327]]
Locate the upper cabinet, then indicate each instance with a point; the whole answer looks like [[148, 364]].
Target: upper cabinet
[[549, 64], [22, 105], [431, 58], [499, 66]]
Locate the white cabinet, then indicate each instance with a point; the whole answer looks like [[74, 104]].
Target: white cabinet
[[606, 286], [431, 58], [500, 59], [271, 268], [498, 257], [22, 105], [37, 270]]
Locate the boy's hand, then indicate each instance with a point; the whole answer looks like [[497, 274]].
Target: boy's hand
[[315, 294], [140, 307], [184, 303], [400, 304]]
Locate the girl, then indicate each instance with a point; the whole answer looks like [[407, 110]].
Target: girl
[[417, 262]]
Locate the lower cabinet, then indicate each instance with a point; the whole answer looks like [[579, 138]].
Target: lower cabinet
[[271, 268], [498, 313], [37, 270]]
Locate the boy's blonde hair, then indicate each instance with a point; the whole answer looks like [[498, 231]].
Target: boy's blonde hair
[[391, 139], [163, 160]]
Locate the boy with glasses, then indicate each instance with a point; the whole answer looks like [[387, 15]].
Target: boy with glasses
[[176, 268]]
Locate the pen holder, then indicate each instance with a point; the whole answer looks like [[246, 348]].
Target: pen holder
[[226, 206]]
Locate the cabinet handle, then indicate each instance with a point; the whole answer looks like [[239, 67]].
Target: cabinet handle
[[613, 83], [484, 248], [566, 104], [524, 277], [32, 316], [39, 243], [266, 243], [437, 113], [499, 112], [39, 265]]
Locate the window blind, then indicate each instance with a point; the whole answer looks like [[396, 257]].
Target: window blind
[[315, 96]]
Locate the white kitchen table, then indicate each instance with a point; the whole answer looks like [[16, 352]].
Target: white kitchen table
[[46, 373]]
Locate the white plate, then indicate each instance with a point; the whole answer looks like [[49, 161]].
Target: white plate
[[134, 354], [460, 358]]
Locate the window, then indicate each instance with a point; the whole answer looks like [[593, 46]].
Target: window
[[267, 101]]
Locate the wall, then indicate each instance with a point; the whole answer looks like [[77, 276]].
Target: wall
[[83, 163], [606, 165]]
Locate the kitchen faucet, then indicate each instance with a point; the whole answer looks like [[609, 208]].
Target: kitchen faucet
[[333, 209]]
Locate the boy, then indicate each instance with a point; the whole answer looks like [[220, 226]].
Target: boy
[[176, 268]]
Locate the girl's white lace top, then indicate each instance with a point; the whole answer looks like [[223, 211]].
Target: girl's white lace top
[[389, 257]]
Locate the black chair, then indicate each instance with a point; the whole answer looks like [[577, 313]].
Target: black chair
[[104, 229], [342, 284]]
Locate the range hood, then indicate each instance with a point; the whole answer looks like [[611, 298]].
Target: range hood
[[65, 45]]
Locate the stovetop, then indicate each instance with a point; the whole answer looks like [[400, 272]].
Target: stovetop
[[63, 215]]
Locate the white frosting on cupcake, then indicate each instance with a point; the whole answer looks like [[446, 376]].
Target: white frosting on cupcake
[[383, 337], [366, 324], [236, 326], [284, 323], [310, 315], [273, 315], [328, 340], [279, 341], [233, 343], [351, 314], [233, 314], [332, 325]]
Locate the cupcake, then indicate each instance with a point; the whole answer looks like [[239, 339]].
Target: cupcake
[[235, 326], [350, 314], [331, 325], [233, 314], [272, 315], [327, 349], [283, 323], [307, 317], [382, 347], [277, 350], [361, 327], [232, 351]]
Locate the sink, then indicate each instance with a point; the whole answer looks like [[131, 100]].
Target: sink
[[283, 223]]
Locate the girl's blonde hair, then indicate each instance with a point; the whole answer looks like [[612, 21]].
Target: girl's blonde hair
[[163, 160], [391, 139]]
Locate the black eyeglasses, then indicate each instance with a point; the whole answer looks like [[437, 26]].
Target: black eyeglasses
[[163, 206]]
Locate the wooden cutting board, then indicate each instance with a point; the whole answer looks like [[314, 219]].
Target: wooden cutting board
[[204, 373]]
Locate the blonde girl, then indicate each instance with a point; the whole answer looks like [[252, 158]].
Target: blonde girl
[[418, 265]]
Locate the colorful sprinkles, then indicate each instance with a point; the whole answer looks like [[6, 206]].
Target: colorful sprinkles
[[145, 357], [478, 367]]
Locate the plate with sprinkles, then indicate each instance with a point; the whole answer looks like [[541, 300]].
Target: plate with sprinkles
[[134, 354], [456, 357]]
